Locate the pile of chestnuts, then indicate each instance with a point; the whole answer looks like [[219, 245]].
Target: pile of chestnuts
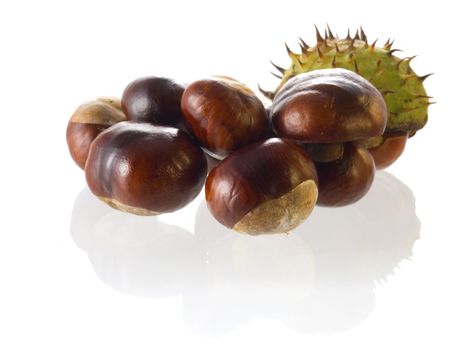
[[264, 169]]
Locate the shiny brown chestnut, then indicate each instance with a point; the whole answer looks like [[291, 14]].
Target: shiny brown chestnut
[[145, 169], [223, 114], [328, 105], [88, 121], [346, 180], [153, 100], [267, 187], [390, 149]]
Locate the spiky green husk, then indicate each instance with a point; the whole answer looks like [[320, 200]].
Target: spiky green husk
[[402, 89]]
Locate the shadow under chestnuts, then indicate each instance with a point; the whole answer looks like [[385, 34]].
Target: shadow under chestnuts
[[264, 169]]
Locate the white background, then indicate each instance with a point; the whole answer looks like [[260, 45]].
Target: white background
[[385, 273]]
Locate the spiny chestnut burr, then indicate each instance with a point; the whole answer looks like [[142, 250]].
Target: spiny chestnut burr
[[328, 105], [346, 180], [145, 169], [153, 100], [223, 114], [88, 121], [267, 187]]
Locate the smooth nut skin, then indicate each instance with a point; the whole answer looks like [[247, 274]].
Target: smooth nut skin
[[145, 169], [389, 151], [328, 105], [223, 114], [88, 121], [253, 176], [153, 100], [345, 181]]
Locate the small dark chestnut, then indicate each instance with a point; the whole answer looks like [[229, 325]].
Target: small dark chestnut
[[267, 187], [389, 150], [153, 100], [88, 121], [346, 180], [223, 114], [145, 169], [328, 105]]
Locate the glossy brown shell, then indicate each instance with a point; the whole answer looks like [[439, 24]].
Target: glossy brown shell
[[79, 137], [346, 180], [223, 114], [140, 165], [153, 100], [328, 105], [389, 151], [253, 175]]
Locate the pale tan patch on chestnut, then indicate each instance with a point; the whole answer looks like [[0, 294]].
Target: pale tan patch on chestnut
[[115, 102], [103, 111], [283, 214], [127, 208], [235, 84]]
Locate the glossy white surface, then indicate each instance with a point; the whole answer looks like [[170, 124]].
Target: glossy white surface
[[386, 273]]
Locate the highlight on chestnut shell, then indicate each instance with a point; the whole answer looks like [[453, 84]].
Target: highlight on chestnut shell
[[346, 180], [223, 114], [153, 100], [145, 169], [268, 187], [328, 106], [87, 122]]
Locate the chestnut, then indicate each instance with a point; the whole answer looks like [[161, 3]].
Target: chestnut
[[266, 187], [145, 169], [153, 100], [88, 121], [346, 180], [390, 149], [223, 114], [328, 105]]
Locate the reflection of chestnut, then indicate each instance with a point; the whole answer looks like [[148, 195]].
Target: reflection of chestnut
[[346, 180], [328, 105], [223, 114], [389, 150], [88, 121], [145, 169], [267, 187], [153, 100]]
